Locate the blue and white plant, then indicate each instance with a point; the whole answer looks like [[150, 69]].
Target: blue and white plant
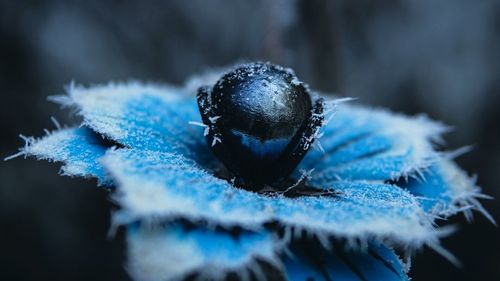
[[182, 221]]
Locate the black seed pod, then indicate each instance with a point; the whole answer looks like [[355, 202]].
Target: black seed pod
[[261, 121]]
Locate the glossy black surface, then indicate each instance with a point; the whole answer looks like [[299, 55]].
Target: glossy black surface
[[262, 100], [260, 120]]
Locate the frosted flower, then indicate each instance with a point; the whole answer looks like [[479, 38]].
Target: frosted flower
[[183, 221]]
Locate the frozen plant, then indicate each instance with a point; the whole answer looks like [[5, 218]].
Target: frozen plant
[[379, 180]]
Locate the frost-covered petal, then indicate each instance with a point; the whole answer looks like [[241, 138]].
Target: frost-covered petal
[[173, 252], [372, 144], [78, 148], [444, 190], [154, 184], [310, 262], [142, 116]]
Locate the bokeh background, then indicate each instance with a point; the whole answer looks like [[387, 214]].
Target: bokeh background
[[438, 57]]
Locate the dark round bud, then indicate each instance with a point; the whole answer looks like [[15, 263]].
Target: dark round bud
[[258, 115]]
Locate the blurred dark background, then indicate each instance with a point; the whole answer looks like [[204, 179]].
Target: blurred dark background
[[438, 57]]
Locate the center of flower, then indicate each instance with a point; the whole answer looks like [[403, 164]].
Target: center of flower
[[261, 122]]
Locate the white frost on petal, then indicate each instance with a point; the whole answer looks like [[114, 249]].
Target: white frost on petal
[[102, 105], [171, 252]]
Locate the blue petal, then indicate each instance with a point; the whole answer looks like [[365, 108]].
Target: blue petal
[[369, 144], [444, 190], [173, 252], [78, 148], [148, 117], [154, 184], [309, 262]]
